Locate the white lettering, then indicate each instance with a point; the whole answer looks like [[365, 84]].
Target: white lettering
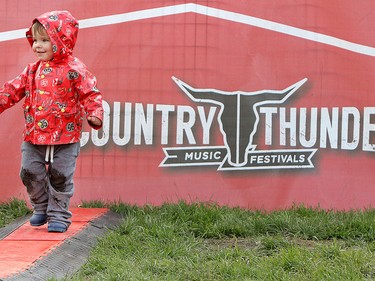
[[203, 155], [143, 124], [288, 125], [206, 122], [303, 127], [165, 110], [329, 127], [355, 129], [185, 127], [127, 123], [347, 128], [368, 127], [101, 141], [320, 127], [268, 111]]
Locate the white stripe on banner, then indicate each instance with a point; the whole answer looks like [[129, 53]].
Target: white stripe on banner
[[216, 13]]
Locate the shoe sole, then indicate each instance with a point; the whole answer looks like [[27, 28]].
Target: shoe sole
[[38, 224], [56, 230]]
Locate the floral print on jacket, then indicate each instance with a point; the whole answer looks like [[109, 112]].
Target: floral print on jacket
[[57, 94]]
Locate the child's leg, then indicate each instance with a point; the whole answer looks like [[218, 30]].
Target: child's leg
[[34, 176], [61, 188]]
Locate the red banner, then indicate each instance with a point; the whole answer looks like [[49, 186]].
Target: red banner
[[254, 104]]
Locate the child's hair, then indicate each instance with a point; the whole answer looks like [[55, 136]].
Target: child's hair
[[38, 28]]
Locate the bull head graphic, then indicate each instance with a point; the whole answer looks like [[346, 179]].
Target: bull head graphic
[[238, 117]]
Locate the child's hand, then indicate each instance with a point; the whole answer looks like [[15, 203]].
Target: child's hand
[[94, 121]]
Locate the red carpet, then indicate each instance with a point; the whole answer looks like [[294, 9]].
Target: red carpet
[[21, 248]]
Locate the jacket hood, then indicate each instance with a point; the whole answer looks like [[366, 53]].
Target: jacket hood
[[62, 29]]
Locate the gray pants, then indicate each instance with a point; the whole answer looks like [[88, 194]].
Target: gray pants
[[47, 172]]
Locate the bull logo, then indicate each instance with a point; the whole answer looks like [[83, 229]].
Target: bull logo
[[238, 117]]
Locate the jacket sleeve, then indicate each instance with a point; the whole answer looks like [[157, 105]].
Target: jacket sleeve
[[90, 97], [13, 91]]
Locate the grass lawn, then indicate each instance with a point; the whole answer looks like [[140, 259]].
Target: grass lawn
[[11, 210], [207, 242]]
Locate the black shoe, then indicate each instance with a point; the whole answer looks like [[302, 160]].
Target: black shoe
[[38, 219], [55, 226]]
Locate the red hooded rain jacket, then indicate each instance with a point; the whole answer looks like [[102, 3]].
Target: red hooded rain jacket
[[57, 94]]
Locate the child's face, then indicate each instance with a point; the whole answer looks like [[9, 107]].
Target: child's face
[[42, 46]]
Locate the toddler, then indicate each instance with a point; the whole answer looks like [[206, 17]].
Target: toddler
[[58, 91]]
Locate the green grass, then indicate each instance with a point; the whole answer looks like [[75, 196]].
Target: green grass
[[11, 210], [207, 242]]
